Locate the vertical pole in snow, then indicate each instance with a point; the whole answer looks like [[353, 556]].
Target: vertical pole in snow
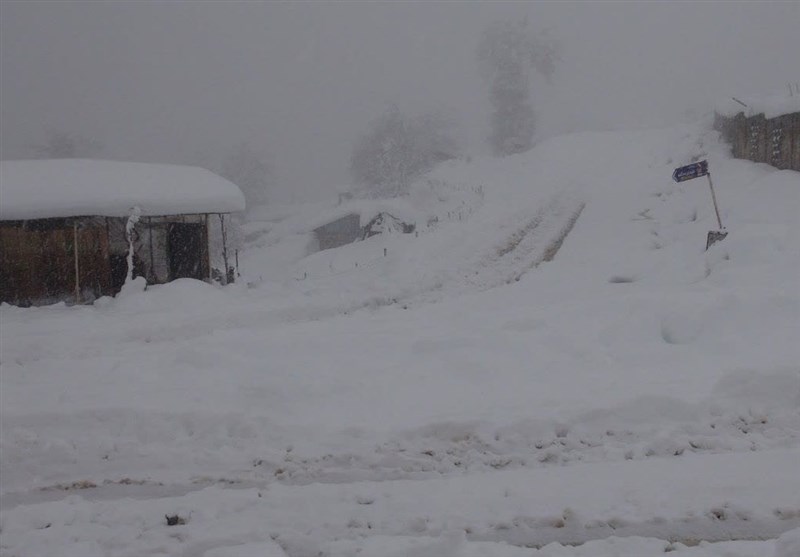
[[224, 245], [714, 199], [206, 253], [152, 256], [133, 218], [77, 266]]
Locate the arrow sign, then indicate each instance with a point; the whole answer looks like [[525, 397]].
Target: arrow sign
[[690, 171]]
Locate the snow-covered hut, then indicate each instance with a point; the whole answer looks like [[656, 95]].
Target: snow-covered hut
[[361, 219], [66, 226], [343, 230]]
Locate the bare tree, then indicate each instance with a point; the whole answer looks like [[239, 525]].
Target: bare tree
[[397, 149], [507, 53], [65, 145], [248, 169]]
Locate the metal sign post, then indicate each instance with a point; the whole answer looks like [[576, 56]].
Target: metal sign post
[[715, 236], [714, 199], [695, 170]]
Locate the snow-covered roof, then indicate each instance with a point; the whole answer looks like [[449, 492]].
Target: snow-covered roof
[[366, 209], [31, 189], [771, 106]]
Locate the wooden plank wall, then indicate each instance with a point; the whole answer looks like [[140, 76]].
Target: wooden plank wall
[[37, 257], [37, 261], [775, 141], [796, 141]]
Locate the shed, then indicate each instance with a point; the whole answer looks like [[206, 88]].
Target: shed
[[343, 230], [762, 129], [64, 226]]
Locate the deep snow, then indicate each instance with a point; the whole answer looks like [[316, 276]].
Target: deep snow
[[553, 359]]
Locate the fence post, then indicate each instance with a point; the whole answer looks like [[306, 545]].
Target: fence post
[[77, 266]]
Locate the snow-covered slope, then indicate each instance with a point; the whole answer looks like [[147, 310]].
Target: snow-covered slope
[[553, 359]]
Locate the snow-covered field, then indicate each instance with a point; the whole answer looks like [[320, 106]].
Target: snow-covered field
[[552, 367]]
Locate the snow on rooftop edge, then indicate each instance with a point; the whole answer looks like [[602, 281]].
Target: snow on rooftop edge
[[31, 189], [771, 106], [366, 209]]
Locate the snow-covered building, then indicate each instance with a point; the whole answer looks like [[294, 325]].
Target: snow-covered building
[[338, 232], [347, 229], [359, 219], [763, 130], [67, 226]]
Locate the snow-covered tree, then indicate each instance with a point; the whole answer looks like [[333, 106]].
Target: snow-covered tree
[[248, 169], [507, 53], [398, 149]]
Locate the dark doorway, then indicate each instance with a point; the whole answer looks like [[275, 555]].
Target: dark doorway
[[119, 270], [186, 251]]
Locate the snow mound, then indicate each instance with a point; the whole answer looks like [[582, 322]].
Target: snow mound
[[788, 545]]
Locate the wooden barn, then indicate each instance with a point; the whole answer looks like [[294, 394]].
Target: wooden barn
[[67, 226]]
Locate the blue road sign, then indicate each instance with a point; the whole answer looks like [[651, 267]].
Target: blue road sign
[[690, 171]]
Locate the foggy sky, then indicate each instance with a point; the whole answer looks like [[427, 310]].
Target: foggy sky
[[182, 82]]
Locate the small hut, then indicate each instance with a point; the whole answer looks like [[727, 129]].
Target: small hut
[[343, 230], [347, 228], [68, 227]]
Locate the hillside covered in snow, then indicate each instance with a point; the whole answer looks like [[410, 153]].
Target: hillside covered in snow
[[551, 365]]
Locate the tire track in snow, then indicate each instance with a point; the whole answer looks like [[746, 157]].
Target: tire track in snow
[[715, 524], [537, 241], [524, 508]]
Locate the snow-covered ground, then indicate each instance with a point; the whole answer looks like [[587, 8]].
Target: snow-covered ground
[[552, 367]]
